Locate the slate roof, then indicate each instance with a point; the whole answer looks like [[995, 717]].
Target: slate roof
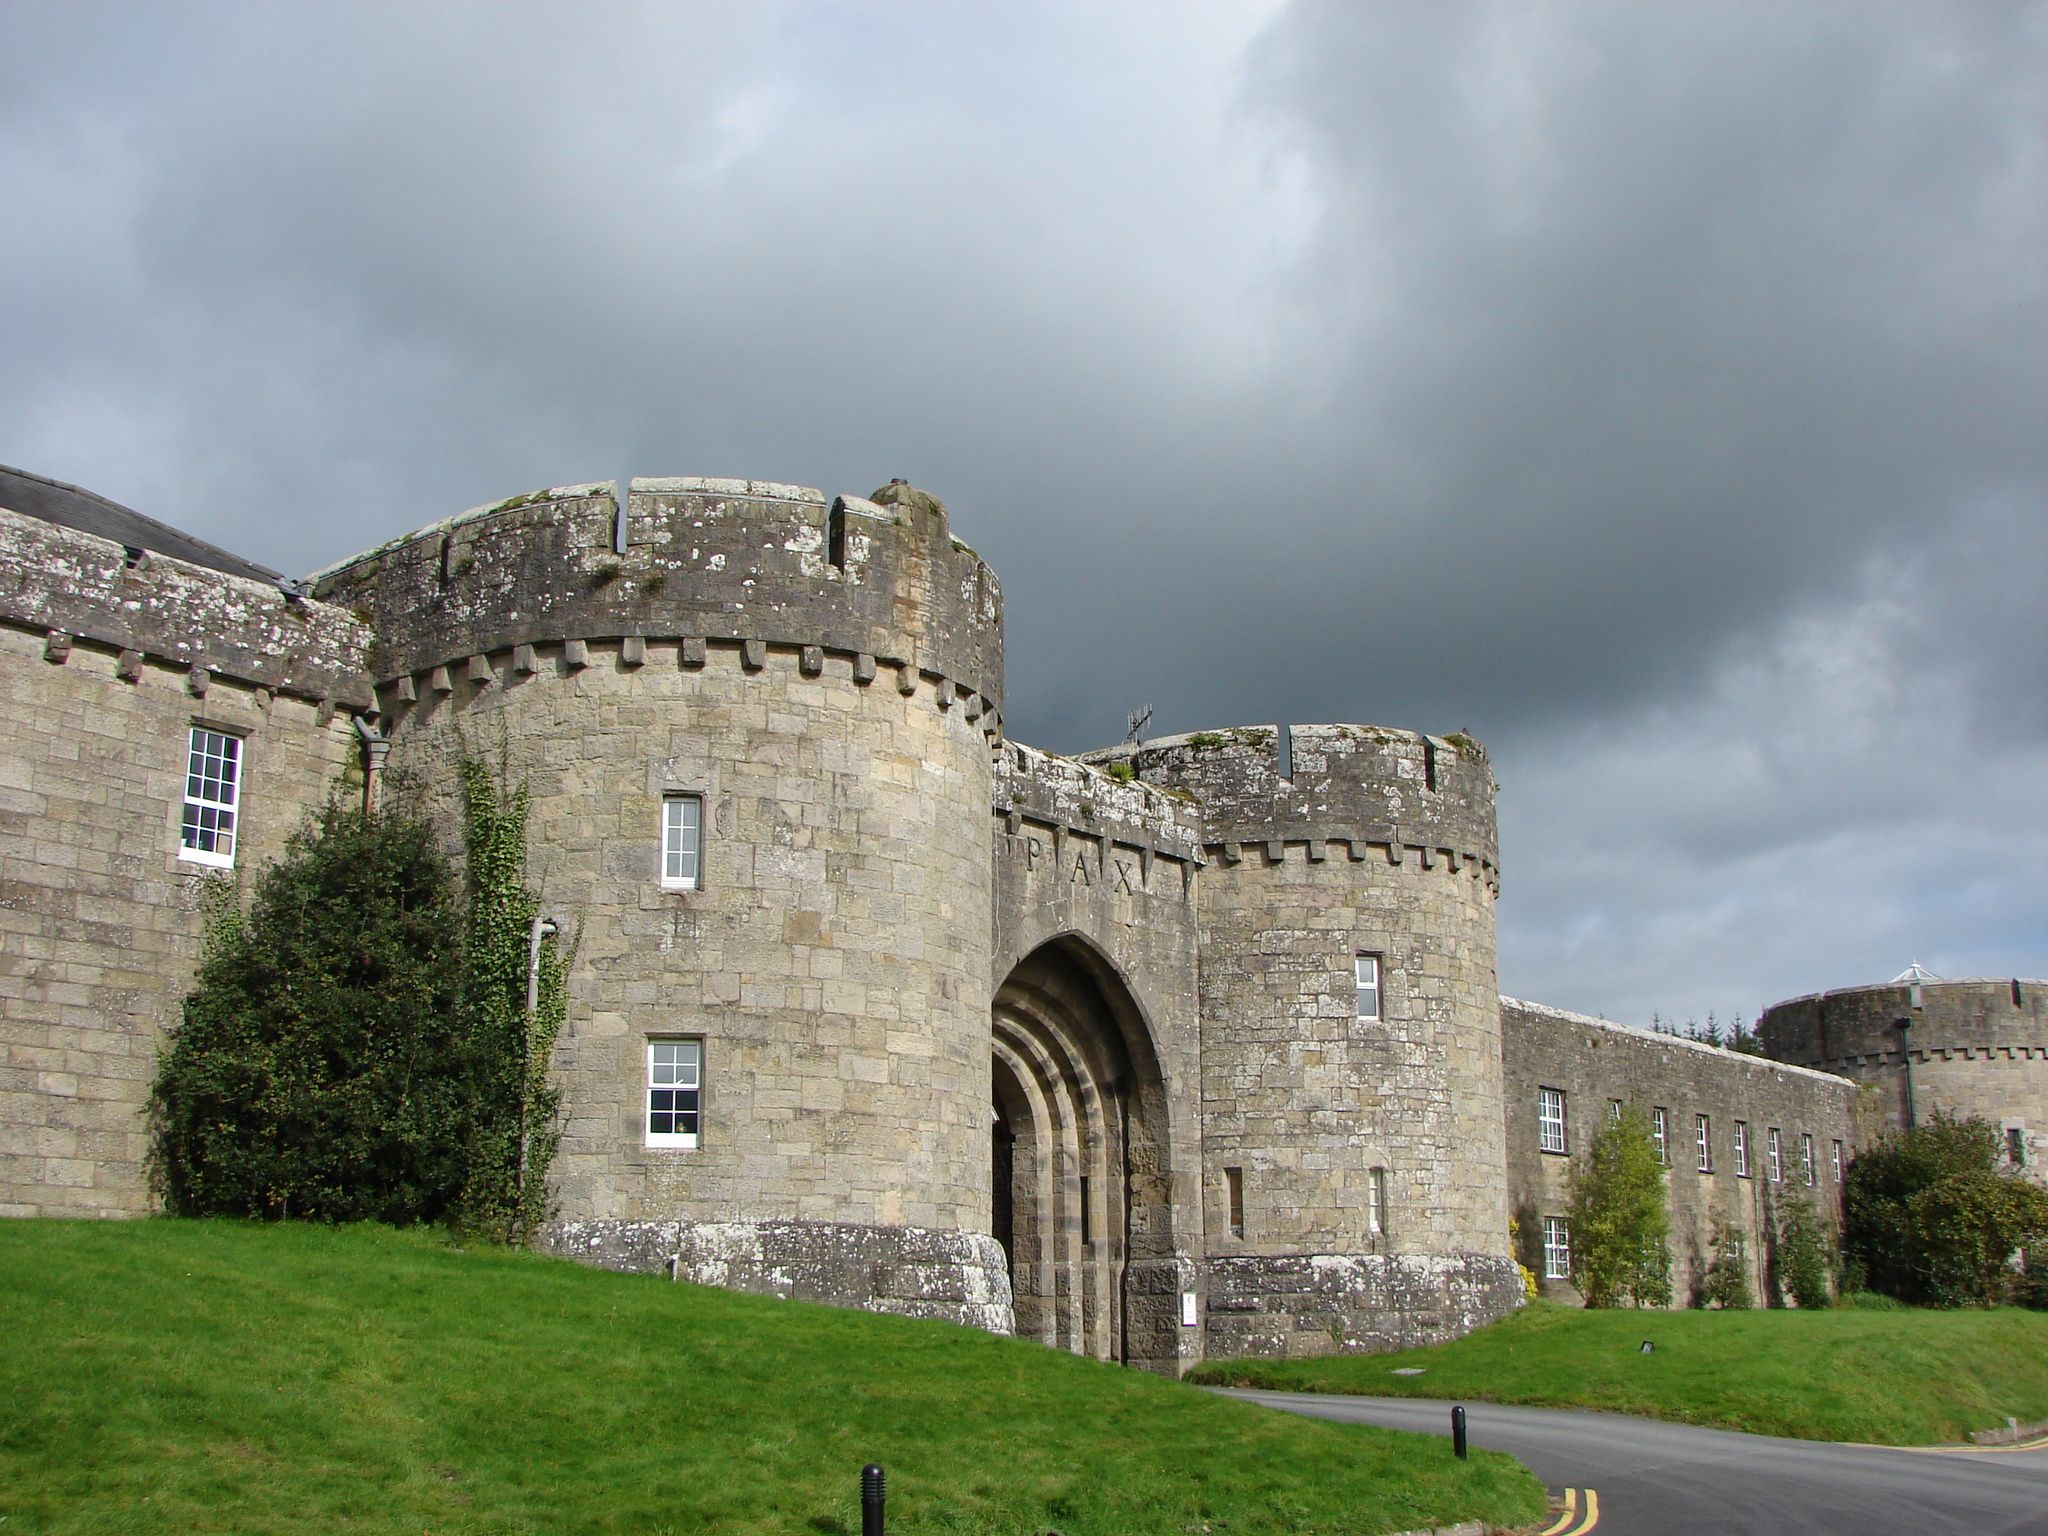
[[69, 507]]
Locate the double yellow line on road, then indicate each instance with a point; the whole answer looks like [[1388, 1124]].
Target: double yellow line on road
[[2039, 1443], [1586, 1518]]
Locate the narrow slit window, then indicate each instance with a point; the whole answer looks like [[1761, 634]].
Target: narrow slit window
[[2015, 1149], [213, 795], [1233, 1184], [1838, 1162], [675, 1071], [682, 841], [1376, 1202], [835, 536], [1087, 1215]]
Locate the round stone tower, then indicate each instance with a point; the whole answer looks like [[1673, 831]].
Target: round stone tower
[[1966, 1048], [1353, 1157], [754, 726]]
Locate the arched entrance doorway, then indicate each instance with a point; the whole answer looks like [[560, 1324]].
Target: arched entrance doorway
[[1079, 1149]]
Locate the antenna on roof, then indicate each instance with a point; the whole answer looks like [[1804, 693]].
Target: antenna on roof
[[1136, 721]]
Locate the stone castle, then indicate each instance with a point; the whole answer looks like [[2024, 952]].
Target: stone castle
[[1152, 1054]]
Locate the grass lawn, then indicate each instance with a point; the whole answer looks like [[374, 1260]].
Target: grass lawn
[[1891, 1378], [212, 1377]]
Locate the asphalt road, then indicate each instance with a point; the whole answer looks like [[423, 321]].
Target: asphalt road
[[1671, 1480]]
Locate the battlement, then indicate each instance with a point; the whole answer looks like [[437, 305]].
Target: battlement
[[1989, 1015], [691, 559], [70, 585], [1361, 785], [1066, 792]]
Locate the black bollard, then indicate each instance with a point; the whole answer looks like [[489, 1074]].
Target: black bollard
[[1458, 1430], [871, 1499]]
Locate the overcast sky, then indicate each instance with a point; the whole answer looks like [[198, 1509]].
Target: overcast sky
[[1657, 391]]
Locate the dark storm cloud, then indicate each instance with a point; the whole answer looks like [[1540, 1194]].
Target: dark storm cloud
[[1656, 391]]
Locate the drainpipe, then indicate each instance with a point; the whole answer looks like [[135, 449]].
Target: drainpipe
[[543, 928], [1913, 1002], [376, 747]]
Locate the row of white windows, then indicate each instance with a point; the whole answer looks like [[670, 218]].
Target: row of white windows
[[210, 824], [1550, 1119]]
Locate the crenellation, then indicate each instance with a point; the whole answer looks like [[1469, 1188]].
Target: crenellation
[[1240, 1032]]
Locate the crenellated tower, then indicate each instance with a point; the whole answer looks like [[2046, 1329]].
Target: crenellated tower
[[1352, 1144], [755, 725]]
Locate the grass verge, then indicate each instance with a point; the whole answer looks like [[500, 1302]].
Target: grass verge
[[217, 1377], [1888, 1378]]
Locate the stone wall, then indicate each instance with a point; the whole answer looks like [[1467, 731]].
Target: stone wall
[[109, 658], [1977, 1047], [1594, 1064], [1379, 843], [1096, 965], [832, 958]]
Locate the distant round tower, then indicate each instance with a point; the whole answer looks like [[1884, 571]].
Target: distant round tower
[[755, 728], [1353, 1152], [1928, 1046]]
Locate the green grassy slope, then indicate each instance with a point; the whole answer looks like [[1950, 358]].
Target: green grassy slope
[[213, 1377], [1894, 1378]]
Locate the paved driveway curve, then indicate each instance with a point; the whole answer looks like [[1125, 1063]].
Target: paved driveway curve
[[1672, 1480]]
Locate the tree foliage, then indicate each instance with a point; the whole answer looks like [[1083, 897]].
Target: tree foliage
[[1621, 1252], [320, 1069], [1933, 1217], [1726, 1282], [353, 1050], [1804, 1258]]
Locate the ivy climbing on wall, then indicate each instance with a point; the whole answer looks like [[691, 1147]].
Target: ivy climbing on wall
[[516, 1129]]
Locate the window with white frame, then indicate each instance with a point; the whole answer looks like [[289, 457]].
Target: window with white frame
[[213, 794], [1838, 1162], [1705, 1137], [1806, 1156], [1557, 1248], [1741, 1150], [1366, 973], [1660, 1132], [1376, 1201], [1614, 1111], [1550, 1119], [682, 841], [675, 1071], [1776, 1159]]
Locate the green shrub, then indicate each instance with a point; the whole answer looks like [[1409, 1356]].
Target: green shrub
[[1726, 1282], [1620, 1231], [1804, 1259], [320, 1069], [1933, 1217]]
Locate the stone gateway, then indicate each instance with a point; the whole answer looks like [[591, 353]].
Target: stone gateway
[[1151, 1054]]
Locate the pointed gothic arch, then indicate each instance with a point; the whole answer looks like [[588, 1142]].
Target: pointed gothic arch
[[1083, 1183]]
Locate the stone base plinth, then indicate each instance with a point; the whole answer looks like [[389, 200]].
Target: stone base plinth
[[1327, 1303], [960, 1277]]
